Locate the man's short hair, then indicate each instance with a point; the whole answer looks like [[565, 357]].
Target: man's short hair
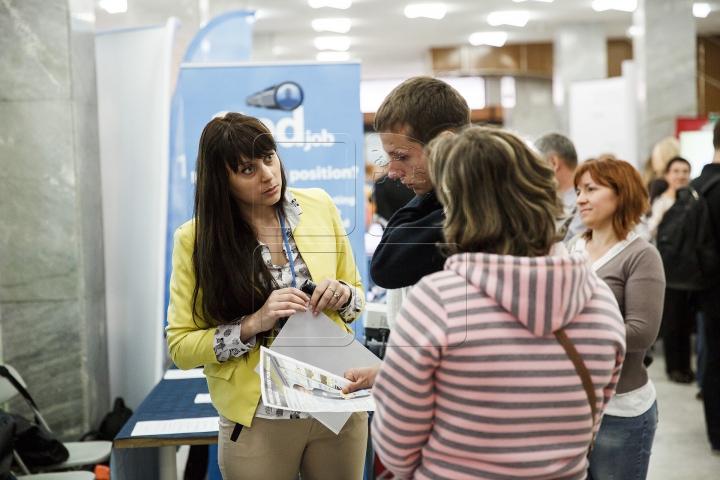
[[560, 145], [423, 107], [716, 135]]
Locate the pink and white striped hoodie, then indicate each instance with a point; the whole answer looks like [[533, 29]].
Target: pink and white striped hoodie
[[475, 384]]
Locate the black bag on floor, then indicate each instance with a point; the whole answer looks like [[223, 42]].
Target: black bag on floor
[[111, 423], [7, 431], [115, 420], [36, 446]]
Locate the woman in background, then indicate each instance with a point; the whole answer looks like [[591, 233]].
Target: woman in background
[[611, 200], [679, 309], [677, 175], [237, 271], [663, 151], [475, 383]]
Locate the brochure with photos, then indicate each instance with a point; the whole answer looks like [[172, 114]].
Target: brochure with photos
[[287, 383]]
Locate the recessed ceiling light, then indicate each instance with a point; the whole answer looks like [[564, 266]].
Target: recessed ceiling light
[[333, 56], [340, 44], [337, 25], [114, 6], [622, 5], [341, 4], [701, 10], [428, 10], [516, 18], [546, 1], [494, 39]]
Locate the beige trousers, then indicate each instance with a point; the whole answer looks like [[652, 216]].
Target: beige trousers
[[279, 449]]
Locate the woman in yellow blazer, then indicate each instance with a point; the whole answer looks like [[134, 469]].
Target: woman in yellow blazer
[[237, 271]]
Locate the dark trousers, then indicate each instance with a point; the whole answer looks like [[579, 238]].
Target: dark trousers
[[677, 325], [711, 378]]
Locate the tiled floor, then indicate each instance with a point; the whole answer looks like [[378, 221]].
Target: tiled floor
[[681, 450]]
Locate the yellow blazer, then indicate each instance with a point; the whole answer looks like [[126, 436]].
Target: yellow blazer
[[234, 386]]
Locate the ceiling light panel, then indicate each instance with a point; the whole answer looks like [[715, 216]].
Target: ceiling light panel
[[494, 39], [701, 10], [622, 5], [341, 4], [518, 18], [435, 11], [337, 25], [114, 6], [520, 1], [333, 57], [339, 44]]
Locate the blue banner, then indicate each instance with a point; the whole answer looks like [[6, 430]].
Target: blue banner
[[313, 111], [225, 38]]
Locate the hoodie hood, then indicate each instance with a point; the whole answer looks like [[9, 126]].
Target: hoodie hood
[[543, 293]]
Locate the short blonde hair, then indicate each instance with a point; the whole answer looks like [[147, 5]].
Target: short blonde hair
[[664, 151], [500, 196]]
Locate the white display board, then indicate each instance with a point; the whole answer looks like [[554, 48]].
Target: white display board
[[603, 117], [697, 148], [133, 85]]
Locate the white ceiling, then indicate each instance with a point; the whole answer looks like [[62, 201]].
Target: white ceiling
[[388, 43]]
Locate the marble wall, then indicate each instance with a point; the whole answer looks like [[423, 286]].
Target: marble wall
[[52, 297], [534, 113], [579, 53], [665, 54]]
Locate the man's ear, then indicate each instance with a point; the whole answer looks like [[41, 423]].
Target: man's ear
[[555, 162], [446, 133]]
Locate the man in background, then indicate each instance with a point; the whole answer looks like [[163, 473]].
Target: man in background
[[560, 153], [710, 306], [415, 112]]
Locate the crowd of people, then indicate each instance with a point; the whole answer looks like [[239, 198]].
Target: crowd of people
[[528, 295]]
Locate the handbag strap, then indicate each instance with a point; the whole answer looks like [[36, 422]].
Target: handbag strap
[[4, 372], [584, 374]]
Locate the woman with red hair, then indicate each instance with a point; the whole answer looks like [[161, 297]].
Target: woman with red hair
[[611, 199]]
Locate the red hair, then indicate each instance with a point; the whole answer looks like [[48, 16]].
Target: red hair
[[627, 184]]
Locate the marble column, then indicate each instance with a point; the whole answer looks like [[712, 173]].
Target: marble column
[[52, 294], [579, 53], [665, 53], [533, 114]]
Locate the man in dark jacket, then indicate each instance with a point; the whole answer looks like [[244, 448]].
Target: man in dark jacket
[[414, 113], [710, 306]]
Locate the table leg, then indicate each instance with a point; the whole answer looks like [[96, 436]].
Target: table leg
[[168, 463]]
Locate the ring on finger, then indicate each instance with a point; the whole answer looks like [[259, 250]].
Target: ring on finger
[[337, 296]]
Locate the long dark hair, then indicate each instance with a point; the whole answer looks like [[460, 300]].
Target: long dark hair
[[229, 269]]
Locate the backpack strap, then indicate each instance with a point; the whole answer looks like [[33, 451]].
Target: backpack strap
[[4, 372], [18, 386], [706, 188], [584, 374]]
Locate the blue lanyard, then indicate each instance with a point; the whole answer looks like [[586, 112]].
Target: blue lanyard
[[287, 248]]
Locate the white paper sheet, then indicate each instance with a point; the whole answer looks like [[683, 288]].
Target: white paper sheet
[[177, 374], [173, 427], [202, 398], [321, 342]]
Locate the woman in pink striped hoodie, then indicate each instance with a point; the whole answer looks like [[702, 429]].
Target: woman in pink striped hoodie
[[475, 383]]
